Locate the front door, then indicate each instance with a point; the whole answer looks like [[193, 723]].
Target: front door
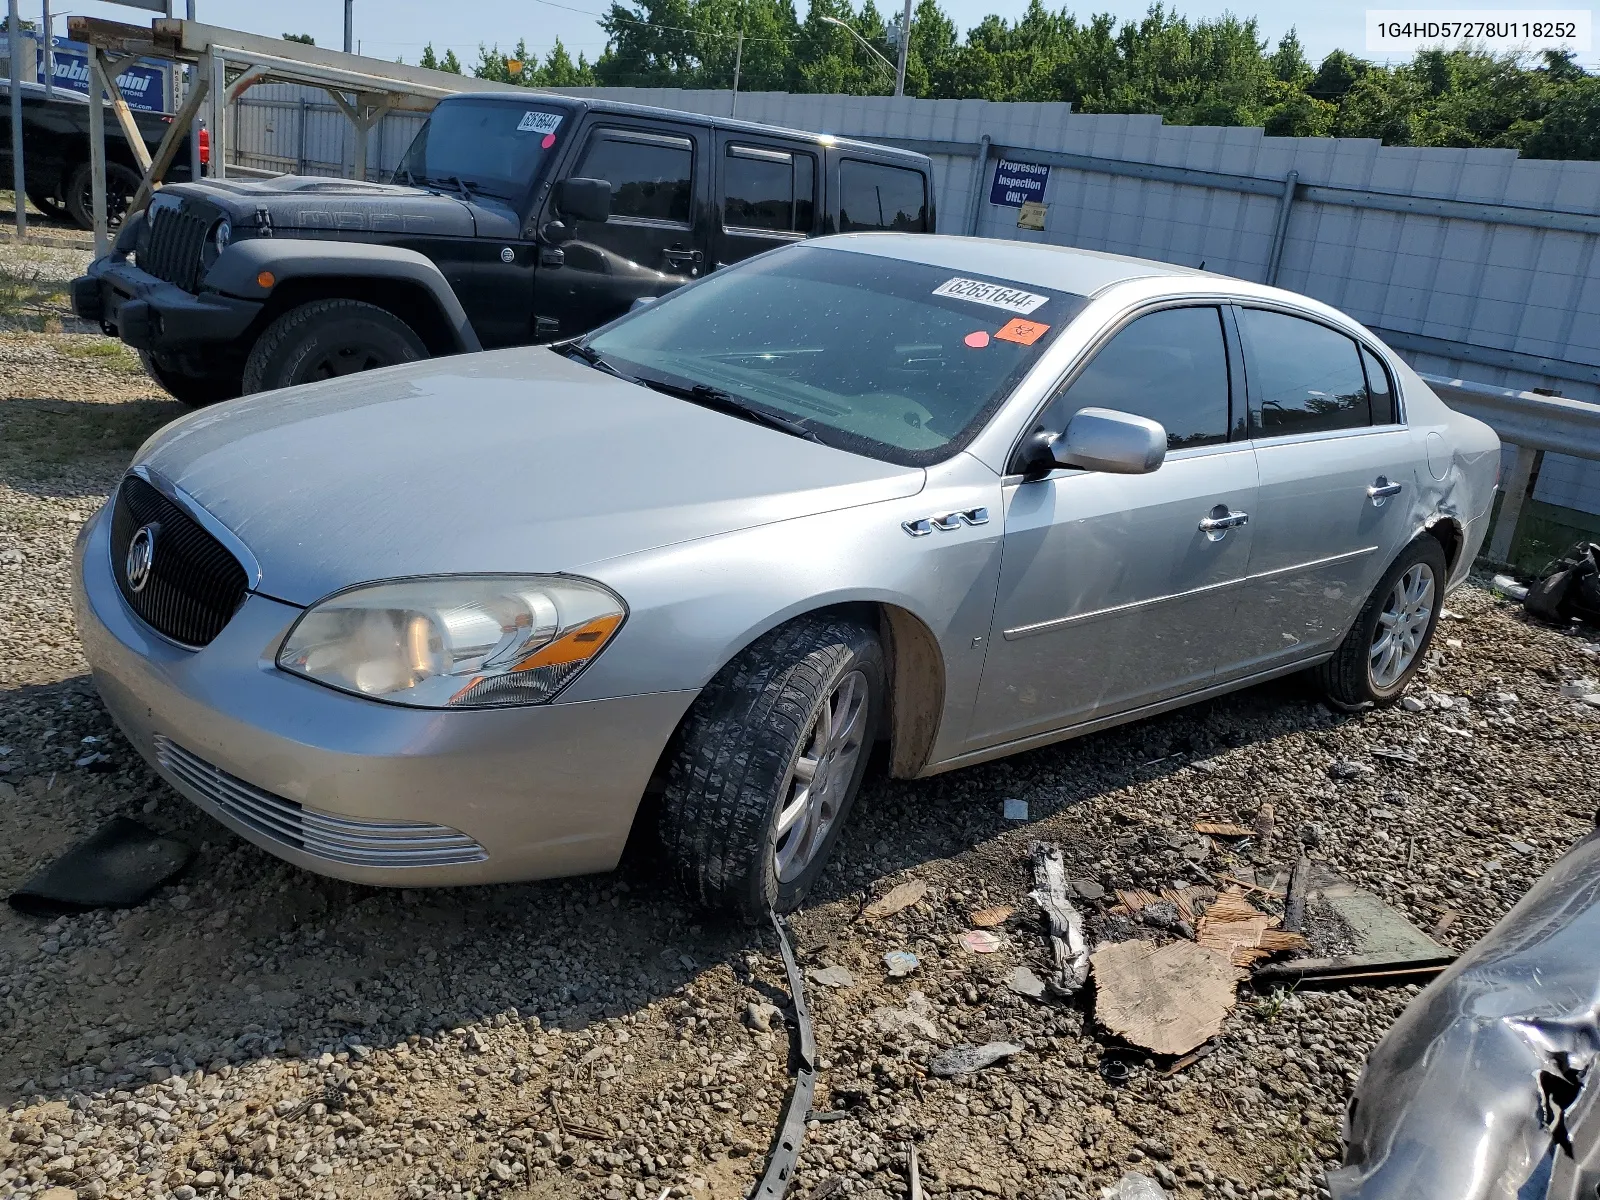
[[766, 195], [656, 237], [1338, 485], [1118, 591]]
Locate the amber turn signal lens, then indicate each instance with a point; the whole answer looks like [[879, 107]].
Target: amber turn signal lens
[[266, 279]]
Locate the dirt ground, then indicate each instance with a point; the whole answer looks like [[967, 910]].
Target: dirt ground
[[254, 1031]]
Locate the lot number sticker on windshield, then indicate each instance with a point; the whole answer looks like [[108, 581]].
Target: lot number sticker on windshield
[[993, 294], [538, 122]]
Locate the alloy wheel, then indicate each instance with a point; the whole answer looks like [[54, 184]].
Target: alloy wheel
[[1402, 625], [820, 779]]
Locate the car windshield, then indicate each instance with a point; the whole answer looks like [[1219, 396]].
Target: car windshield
[[484, 147], [893, 359]]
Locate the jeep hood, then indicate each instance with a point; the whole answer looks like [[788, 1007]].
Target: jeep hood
[[514, 461], [308, 206]]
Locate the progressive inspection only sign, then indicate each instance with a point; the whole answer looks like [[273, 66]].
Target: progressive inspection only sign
[[1016, 183]]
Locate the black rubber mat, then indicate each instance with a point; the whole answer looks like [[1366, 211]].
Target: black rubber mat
[[115, 867]]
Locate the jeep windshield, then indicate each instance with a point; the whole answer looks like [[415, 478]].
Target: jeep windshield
[[897, 360], [484, 147]]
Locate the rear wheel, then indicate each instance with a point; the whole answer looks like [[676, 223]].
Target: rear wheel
[[196, 391], [768, 765], [1386, 645], [47, 202], [326, 339], [121, 184]]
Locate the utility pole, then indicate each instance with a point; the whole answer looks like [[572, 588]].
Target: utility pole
[[14, 41], [49, 52], [349, 26], [738, 60], [905, 50]]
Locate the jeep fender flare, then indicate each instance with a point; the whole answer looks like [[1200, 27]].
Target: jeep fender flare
[[238, 269]]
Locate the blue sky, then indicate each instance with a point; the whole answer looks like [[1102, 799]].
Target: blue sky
[[400, 28]]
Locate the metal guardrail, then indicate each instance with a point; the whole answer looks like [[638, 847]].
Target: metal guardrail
[[1533, 424]]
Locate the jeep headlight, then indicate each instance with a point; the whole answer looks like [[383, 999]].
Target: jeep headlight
[[463, 641], [217, 239]]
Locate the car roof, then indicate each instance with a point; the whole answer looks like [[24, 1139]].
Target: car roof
[[1063, 268], [754, 128]]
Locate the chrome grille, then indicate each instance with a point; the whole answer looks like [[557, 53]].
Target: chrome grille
[[195, 585], [173, 246], [323, 835]]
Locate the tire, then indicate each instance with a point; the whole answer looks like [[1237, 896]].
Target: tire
[[736, 762], [326, 339], [47, 202], [1359, 675], [197, 391], [121, 184]]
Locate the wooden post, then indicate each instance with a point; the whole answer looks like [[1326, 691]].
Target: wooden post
[[102, 77], [168, 149]]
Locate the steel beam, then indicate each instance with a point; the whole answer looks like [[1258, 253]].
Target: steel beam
[[97, 158]]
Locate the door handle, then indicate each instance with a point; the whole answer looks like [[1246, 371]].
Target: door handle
[[679, 257], [1382, 489], [1216, 524]]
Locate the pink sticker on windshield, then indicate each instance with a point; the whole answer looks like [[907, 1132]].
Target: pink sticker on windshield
[[549, 140], [977, 340]]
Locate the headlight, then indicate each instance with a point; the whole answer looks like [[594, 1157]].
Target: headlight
[[455, 642], [224, 234]]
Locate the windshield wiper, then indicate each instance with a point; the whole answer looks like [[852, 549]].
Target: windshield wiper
[[594, 358], [710, 397]]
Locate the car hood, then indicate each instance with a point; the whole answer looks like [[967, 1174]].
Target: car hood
[[310, 206], [516, 460]]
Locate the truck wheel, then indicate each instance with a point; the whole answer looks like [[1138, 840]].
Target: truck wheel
[[47, 202], [326, 339], [196, 391], [768, 763], [121, 183]]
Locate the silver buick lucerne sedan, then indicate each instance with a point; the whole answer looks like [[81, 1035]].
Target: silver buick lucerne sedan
[[449, 622]]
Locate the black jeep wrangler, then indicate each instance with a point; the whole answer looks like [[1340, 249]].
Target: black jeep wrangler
[[513, 218]]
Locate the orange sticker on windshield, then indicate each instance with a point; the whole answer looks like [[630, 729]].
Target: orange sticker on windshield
[[1024, 333]]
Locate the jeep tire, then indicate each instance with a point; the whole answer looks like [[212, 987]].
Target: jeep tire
[[326, 339], [768, 762], [196, 391]]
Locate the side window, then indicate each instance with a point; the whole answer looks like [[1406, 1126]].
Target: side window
[[767, 189], [873, 196], [1381, 388], [652, 177], [1304, 377], [1170, 366]]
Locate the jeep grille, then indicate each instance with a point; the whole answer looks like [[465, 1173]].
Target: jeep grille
[[172, 248]]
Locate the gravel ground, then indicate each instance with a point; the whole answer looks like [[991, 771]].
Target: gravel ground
[[253, 1031]]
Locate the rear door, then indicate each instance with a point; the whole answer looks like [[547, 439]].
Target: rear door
[[1338, 484], [658, 234], [766, 195]]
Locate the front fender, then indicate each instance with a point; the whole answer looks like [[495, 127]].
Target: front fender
[[238, 271]]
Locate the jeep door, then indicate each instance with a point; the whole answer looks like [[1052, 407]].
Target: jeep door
[[656, 238], [766, 195], [1118, 591]]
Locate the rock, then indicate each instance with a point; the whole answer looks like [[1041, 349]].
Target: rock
[[1411, 704], [916, 1014], [963, 1060], [831, 977], [60, 1193], [1086, 889], [1134, 1186], [1025, 983], [759, 1015]]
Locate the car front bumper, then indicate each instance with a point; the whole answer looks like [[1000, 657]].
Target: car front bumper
[[151, 314], [369, 792]]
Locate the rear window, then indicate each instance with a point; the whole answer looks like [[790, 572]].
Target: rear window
[[874, 196], [767, 189]]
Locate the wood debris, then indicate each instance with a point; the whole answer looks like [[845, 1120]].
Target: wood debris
[[1135, 900], [1241, 931], [1168, 999], [989, 918], [901, 896], [1223, 829]]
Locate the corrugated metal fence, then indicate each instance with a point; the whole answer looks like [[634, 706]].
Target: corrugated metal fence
[[1474, 264]]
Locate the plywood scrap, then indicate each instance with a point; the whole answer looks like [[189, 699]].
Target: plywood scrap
[[1241, 931], [989, 918], [1133, 901], [1223, 829], [1168, 999], [900, 896]]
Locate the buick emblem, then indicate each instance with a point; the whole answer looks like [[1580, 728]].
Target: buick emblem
[[141, 556]]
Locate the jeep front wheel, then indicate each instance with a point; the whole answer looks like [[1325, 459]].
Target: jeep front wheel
[[326, 339]]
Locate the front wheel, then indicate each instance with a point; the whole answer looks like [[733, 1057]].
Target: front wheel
[[768, 765], [1386, 645], [326, 339]]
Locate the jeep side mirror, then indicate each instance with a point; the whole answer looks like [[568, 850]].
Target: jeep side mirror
[[583, 199]]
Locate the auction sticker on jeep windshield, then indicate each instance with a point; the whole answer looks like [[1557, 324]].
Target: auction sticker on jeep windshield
[[995, 295], [538, 122]]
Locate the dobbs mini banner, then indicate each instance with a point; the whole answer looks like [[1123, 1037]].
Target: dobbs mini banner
[[1015, 183]]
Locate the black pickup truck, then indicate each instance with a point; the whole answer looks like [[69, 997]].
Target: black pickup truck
[[55, 155], [514, 217]]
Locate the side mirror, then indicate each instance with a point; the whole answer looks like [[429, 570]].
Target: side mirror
[[583, 199], [1102, 439]]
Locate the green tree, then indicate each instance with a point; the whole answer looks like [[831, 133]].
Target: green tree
[[305, 39]]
